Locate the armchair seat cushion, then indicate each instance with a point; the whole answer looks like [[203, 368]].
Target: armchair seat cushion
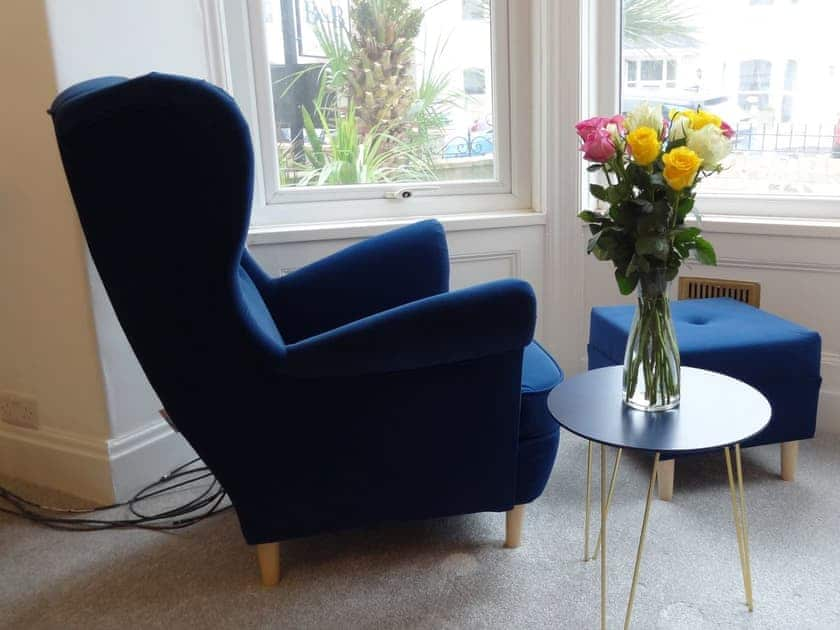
[[778, 357], [540, 374], [539, 433]]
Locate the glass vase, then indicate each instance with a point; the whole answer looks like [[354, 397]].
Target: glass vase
[[652, 358]]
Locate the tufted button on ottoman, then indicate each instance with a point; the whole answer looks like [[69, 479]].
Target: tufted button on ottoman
[[779, 358]]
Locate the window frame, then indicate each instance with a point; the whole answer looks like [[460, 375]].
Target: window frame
[[510, 192], [608, 69]]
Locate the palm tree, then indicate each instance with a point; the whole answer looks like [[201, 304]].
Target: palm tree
[[649, 24], [657, 24], [381, 74]]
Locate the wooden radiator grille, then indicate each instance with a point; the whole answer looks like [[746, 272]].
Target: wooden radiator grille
[[698, 288]]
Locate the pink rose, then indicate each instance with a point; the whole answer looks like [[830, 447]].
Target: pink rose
[[617, 120], [586, 127], [727, 130], [598, 146]]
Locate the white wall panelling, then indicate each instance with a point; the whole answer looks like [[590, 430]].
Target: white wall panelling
[[476, 256]]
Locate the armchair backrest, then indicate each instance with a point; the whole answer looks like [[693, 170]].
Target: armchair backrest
[[161, 171]]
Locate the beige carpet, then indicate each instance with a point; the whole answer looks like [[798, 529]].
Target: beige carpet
[[453, 573]]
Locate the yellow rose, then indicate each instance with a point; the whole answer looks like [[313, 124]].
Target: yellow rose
[[644, 145], [700, 118], [681, 166]]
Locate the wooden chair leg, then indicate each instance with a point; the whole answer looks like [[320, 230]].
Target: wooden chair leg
[[513, 526], [790, 455], [268, 556], [665, 479]]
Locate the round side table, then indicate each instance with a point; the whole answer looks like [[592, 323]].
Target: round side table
[[716, 412]]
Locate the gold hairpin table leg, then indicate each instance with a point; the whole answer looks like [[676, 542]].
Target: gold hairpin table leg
[[609, 496], [603, 537], [739, 514], [641, 542], [588, 491]]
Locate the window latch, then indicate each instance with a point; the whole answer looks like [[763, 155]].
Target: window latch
[[408, 192]]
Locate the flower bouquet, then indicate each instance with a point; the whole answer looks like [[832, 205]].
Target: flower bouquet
[[651, 167]]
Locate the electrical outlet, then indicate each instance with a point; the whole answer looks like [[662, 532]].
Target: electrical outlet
[[19, 410]]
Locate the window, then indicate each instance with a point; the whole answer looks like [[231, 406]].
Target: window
[[476, 9], [787, 99], [754, 85], [632, 76], [652, 71], [474, 81], [358, 99], [781, 101], [652, 74]]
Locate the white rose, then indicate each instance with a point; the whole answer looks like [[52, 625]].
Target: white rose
[[680, 128], [615, 135], [710, 144], [644, 116]]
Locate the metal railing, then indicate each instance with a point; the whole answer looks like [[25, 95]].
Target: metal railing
[[807, 138], [470, 145]]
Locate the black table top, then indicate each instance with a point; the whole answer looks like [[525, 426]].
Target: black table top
[[715, 411]]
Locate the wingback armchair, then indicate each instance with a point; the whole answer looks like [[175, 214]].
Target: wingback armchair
[[354, 390]]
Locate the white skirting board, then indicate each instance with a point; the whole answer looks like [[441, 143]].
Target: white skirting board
[[100, 470], [828, 418]]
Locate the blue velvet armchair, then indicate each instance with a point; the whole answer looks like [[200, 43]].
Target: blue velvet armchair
[[354, 390]]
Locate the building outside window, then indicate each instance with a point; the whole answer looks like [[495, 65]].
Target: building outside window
[[754, 85], [475, 81], [768, 73], [476, 9]]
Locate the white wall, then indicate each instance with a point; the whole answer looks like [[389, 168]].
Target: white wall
[[48, 345], [92, 38], [100, 433]]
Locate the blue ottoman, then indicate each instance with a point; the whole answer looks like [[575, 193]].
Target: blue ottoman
[[779, 358]]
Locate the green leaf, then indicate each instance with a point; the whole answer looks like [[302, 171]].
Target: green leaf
[[704, 251], [651, 225], [592, 217], [638, 176], [622, 214], [685, 235], [593, 168], [655, 246], [685, 206], [311, 134], [638, 263], [683, 249], [599, 192], [626, 284], [607, 246]]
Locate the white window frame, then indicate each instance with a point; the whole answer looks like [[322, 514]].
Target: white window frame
[[605, 44], [247, 78]]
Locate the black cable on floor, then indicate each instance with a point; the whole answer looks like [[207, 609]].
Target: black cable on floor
[[183, 515]]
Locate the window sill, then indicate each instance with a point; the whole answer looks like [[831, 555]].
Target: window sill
[[770, 226], [336, 230]]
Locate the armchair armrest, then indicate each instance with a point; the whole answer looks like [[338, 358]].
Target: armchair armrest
[[377, 274], [488, 319]]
